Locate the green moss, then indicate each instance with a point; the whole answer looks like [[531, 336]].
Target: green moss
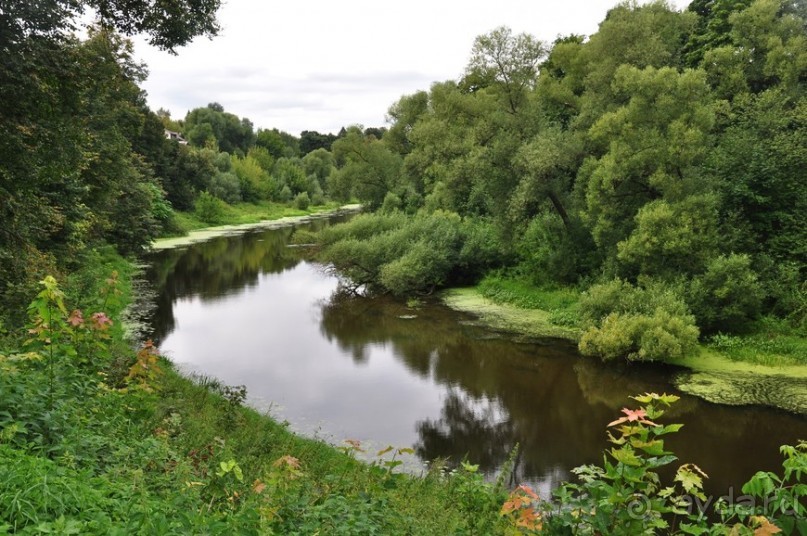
[[710, 361], [242, 213]]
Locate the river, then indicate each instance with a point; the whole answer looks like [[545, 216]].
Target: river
[[250, 310]]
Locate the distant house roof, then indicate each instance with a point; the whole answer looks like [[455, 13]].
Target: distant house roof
[[176, 136]]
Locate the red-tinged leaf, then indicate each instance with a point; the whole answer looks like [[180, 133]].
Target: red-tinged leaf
[[76, 318], [101, 321], [618, 421], [527, 491], [510, 506], [258, 487], [287, 461], [529, 520], [633, 415], [764, 527]]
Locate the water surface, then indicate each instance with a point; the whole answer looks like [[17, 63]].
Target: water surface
[[248, 310]]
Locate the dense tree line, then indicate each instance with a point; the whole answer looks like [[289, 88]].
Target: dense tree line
[[658, 163], [77, 137]]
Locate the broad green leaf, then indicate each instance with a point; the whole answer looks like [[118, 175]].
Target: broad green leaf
[[626, 456]]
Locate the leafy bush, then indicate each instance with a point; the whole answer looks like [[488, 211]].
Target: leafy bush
[[318, 199], [643, 324], [209, 208], [361, 227], [727, 297], [226, 186], [786, 291], [641, 337], [420, 267], [626, 496], [404, 254], [672, 238], [302, 201], [289, 172], [550, 251], [392, 202], [284, 195], [252, 178]]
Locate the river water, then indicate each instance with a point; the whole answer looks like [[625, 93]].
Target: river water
[[250, 310]]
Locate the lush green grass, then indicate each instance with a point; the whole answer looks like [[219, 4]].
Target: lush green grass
[[560, 303], [184, 222], [772, 343]]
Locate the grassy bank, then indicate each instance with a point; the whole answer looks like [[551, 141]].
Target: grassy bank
[[97, 438], [256, 220], [242, 213], [767, 366], [504, 316]]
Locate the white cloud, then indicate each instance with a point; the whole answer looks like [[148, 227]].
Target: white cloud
[[320, 65]]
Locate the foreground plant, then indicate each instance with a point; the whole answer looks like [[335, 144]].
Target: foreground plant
[[625, 496]]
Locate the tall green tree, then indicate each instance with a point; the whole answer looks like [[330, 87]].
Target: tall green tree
[[311, 140], [230, 133], [71, 119], [648, 149], [366, 169], [506, 61]]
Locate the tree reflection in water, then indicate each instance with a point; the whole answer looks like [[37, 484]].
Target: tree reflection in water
[[541, 395], [479, 429]]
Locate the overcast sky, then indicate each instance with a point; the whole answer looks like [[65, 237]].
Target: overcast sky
[[320, 65]]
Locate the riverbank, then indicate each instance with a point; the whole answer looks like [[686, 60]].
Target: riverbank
[[259, 221], [708, 374], [98, 438], [240, 213]]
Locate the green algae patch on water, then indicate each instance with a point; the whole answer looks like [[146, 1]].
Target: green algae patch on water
[[504, 317], [718, 379], [742, 388], [209, 233]]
